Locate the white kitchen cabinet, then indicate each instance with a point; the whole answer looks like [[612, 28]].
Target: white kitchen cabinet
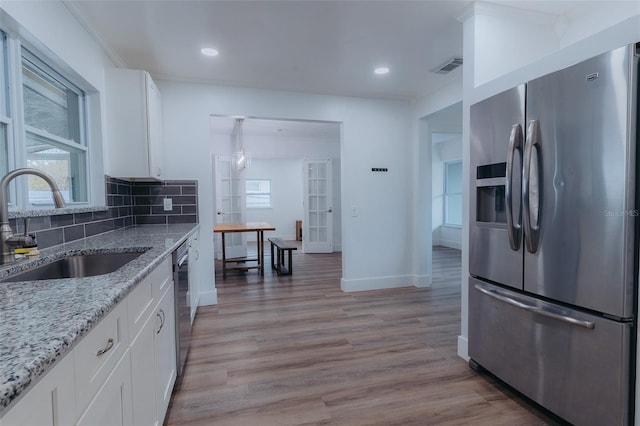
[[98, 352], [50, 402], [121, 373], [112, 404], [194, 258], [153, 349], [134, 125], [143, 372], [165, 352]]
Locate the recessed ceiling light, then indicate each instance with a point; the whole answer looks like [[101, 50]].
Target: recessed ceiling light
[[208, 51], [381, 70]]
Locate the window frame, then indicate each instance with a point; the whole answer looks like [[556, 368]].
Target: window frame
[[15, 52], [248, 194], [447, 195]]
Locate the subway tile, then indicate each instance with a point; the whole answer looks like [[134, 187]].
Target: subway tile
[[102, 215], [37, 223], [189, 190], [182, 219], [83, 217], [171, 190], [72, 233], [151, 220], [139, 189], [184, 199], [125, 211], [156, 210], [141, 210], [50, 237], [189, 209], [124, 189], [60, 220]]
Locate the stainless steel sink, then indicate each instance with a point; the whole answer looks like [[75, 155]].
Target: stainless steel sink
[[77, 266]]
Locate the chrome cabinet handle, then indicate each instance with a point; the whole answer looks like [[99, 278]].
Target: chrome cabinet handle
[[531, 230], [106, 348], [513, 230], [162, 317], [536, 310]]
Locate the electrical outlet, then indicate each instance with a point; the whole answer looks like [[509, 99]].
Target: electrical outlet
[[354, 212], [168, 204]]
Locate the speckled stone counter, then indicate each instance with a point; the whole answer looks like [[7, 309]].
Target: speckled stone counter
[[41, 320]]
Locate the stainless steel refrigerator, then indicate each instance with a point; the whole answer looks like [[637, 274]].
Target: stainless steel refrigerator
[[554, 238]]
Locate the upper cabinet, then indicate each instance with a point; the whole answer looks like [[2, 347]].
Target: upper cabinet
[[134, 125]]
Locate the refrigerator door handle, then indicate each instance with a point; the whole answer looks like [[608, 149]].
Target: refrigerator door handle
[[529, 195], [534, 309], [515, 143]]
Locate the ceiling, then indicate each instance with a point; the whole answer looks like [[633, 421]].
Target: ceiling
[[315, 46], [329, 47]]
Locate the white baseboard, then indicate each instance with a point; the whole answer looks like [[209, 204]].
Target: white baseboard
[[423, 281], [463, 348], [378, 283], [451, 244], [208, 298]]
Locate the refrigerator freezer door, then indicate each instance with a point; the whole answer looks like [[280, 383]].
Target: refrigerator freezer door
[[496, 137], [581, 195], [574, 364]]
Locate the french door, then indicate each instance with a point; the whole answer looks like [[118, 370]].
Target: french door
[[317, 224], [230, 206]]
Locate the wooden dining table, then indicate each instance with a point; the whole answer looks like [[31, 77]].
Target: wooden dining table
[[241, 262]]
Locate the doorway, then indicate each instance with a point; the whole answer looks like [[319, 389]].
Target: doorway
[[275, 151], [440, 136]]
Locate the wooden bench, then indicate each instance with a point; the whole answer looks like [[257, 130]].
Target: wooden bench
[[279, 263]]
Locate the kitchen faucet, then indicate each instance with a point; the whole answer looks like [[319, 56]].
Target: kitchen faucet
[[9, 240]]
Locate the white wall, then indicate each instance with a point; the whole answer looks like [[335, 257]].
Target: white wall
[[375, 133], [594, 29], [286, 194], [52, 30]]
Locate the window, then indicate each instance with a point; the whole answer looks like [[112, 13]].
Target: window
[[258, 192], [453, 193], [42, 126], [53, 111]]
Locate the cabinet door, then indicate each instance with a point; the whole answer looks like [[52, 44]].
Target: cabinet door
[[194, 256], [165, 352], [154, 129], [143, 374], [50, 402], [112, 404]]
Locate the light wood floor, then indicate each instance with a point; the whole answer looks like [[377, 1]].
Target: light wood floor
[[298, 351]]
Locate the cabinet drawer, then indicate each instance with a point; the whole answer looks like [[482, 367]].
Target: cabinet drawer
[[140, 303], [160, 278], [97, 354]]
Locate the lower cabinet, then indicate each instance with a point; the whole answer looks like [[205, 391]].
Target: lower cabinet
[[153, 363], [50, 402], [121, 373], [112, 404], [165, 353]]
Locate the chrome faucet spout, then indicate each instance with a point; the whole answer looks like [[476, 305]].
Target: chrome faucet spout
[[5, 229]]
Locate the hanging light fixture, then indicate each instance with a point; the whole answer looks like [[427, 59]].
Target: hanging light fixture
[[240, 158]]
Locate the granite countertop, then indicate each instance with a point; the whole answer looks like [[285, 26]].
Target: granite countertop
[[41, 320]]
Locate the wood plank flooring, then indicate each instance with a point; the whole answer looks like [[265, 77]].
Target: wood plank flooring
[[298, 351]]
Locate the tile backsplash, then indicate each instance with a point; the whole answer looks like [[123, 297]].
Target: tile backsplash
[[128, 203]]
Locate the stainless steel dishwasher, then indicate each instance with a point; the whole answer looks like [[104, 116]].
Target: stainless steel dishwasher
[[183, 309]]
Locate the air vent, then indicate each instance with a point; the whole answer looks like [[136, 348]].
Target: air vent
[[448, 66]]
